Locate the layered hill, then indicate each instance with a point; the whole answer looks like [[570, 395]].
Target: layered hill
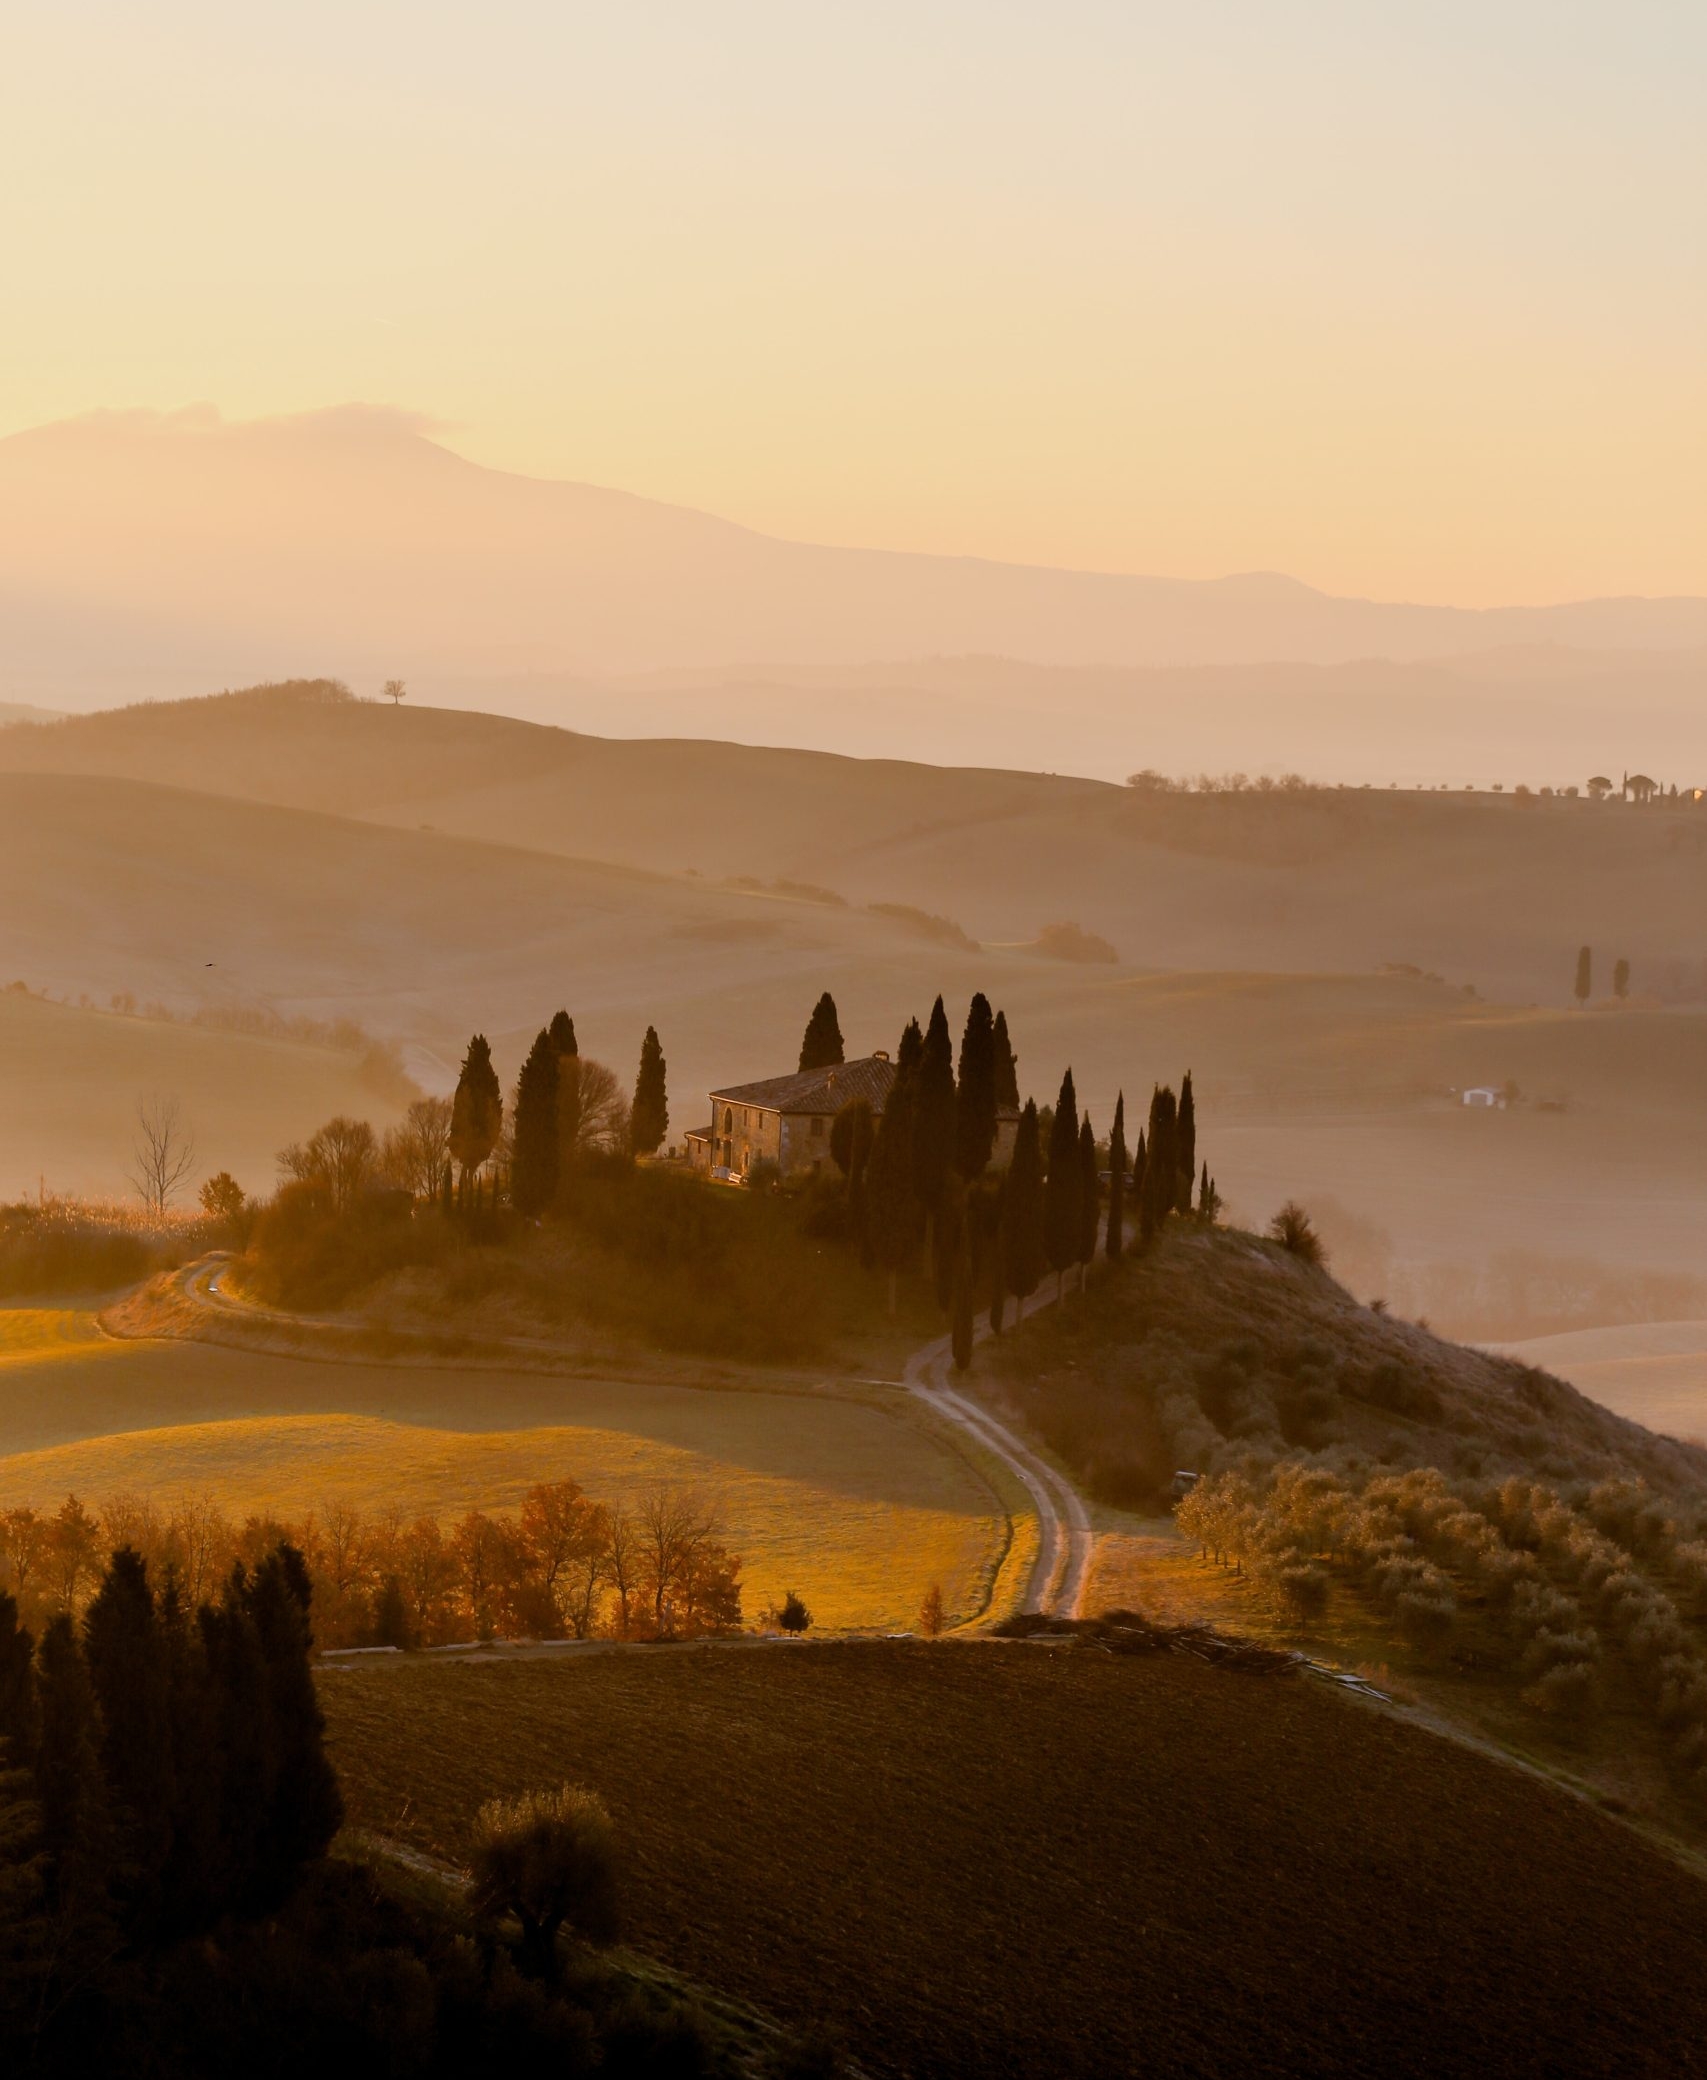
[[198, 546], [1491, 890]]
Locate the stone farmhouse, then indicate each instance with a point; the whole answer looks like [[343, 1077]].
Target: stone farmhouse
[[785, 1120]]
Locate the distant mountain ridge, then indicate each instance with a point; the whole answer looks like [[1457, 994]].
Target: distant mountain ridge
[[142, 552]]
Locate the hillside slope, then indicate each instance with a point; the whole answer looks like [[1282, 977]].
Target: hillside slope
[[1158, 1866], [1487, 890]]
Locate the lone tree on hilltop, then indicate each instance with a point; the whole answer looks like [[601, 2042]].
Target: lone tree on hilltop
[[1621, 979], [548, 1858], [1293, 1229], [1007, 1066], [1115, 1245], [821, 1044], [534, 1165], [649, 1117], [975, 1092], [794, 1616], [163, 1153], [393, 691], [1585, 974], [1063, 1199], [477, 1110]]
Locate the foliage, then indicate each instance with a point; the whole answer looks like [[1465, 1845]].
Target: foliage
[[649, 1116], [975, 1102], [1293, 1229], [793, 1616], [548, 1858], [821, 1045], [534, 1156]]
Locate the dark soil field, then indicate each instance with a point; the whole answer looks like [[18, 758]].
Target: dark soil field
[[1046, 1860]]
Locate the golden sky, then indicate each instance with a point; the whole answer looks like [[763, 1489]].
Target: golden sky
[[1403, 300]]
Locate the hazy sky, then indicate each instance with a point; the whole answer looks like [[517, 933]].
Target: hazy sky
[[1402, 299]]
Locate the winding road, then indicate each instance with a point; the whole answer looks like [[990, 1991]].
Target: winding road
[[1065, 1538]]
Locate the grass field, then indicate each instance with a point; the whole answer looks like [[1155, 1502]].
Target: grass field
[[854, 1502], [1021, 1860]]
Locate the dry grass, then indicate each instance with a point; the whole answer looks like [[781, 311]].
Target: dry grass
[[854, 1502], [1033, 1859]]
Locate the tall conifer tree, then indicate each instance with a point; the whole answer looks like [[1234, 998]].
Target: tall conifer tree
[[1161, 1160], [1007, 1066], [821, 1046], [17, 1689], [650, 1117], [477, 1111], [1185, 1145], [533, 1169], [891, 1204], [911, 1050], [960, 1306], [127, 1669], [562, 1031], [1020, 1233], [1585, 974], [975, 1092], [933, 1119], [1090, 1197], [1116, 1241], [1063, 1195]]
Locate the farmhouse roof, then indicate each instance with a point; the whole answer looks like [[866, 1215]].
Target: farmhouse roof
[[817, 1090]]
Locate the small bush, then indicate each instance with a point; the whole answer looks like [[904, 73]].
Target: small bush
[[794, 1617], [1292, 1228], [548, 1858]]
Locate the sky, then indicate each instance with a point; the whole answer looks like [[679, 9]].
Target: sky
[[1405, 301]]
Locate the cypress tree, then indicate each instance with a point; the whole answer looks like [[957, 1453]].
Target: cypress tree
[[851, 1133], [1140, 1171], [562, 1031], [533, 1168], [1063, 1193], [1585, 973], [1007, 1066], [975, 1092], [933, 1115], [1090, 1197], [1116, 1240], [243, 1734], [17, 1689], [821, 1044], [1185, 1144], [192, 1873], [960, 1335], [1621, 978], [996, 1269], [650, 1116], [948, 1234], [911, 1050], [477, 1111], [1020, 1234], [69, 1793], [127, 1671], [891, 1204], [306, 1808], [1161, 1163]]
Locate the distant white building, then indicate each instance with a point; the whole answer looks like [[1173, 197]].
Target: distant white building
[[1485, 1095]]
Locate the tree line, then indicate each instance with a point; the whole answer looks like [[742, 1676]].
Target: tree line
[[564, 1566]]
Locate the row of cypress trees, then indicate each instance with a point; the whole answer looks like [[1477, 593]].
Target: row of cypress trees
[[545, 1119], [169, 1762], [916, 1175]]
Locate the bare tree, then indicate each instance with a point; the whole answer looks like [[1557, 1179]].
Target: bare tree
[[393, 690], [340, 1158], [676, 1527], [417, 1150], [600, 1118], [163, 1153]]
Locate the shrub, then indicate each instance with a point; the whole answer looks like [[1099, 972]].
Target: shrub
[[548, 1858], [930, 1612], [1291, 1227], [794, 1616]]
